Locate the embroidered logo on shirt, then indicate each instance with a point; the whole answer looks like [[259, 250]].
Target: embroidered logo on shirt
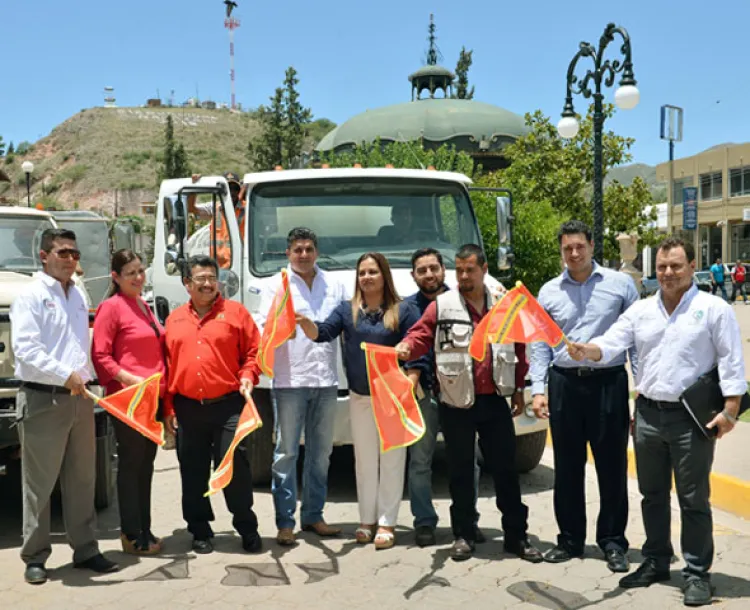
[[49, 304], [220, 316], [698, 315]]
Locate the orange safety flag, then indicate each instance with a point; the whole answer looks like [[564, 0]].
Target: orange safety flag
[[516, 318], [394, 404], [136, 406], [249, 422], [280, 325]]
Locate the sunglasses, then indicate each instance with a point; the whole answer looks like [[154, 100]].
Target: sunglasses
[[67, 253]]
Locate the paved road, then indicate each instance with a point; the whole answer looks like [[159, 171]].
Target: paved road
[[338, 573]]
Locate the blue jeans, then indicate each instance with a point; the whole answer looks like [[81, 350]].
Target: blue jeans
[[315, 410], [420, 468]]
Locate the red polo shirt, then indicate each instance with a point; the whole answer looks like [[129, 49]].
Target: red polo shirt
[[207, 357], [421, 337]]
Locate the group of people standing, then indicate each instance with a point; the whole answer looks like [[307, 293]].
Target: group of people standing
[[208, 353]]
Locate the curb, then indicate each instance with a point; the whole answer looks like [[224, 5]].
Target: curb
[[728, 493]]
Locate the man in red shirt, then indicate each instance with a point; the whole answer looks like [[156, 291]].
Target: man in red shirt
[[471, 403], [212, 344], [738, 281]]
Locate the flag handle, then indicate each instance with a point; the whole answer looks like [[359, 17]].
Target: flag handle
[[566, 341], [92, 396]]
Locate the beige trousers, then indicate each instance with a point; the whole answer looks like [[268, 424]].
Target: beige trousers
[[380, 476]]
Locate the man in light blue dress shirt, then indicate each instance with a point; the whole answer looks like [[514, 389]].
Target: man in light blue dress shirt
[[588, 401], [680, 334]]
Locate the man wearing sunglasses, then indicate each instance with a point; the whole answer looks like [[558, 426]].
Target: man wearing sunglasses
[[50, 339], [212, 344]]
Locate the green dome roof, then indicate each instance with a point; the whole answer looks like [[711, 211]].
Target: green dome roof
[[436, 120], [428, 70]]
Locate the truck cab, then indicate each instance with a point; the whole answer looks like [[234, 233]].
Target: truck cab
[[352, 211], [21, 231]]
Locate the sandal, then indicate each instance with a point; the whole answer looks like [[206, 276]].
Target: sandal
[[385, 538], [363, 534]]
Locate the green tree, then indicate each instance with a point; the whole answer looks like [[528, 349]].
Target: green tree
[[267, 150], [23, 148], [2, 147], [403, 155], [463, 92], [545, 167], [296, 119], [174, 164], [11, 149]]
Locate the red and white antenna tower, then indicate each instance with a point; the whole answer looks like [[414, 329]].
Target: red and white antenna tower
[[231, 24]]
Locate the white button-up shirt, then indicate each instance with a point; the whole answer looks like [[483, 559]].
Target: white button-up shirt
[[674, 350], [301, 363], [50, 332]]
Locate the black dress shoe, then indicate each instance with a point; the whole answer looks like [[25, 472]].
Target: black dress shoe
[[424, 536], [99, 564], [252, 543], [462, 550], [698, 592], [35, 574], [525, 550], [645, 575], [560, 554], [479, 536], [617, 560], [202, 547]]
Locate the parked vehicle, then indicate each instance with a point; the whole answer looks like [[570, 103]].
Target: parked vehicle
[[703, 280], [20, 240], [348, 209]]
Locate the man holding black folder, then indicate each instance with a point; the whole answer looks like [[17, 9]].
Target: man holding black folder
[[680, 335]]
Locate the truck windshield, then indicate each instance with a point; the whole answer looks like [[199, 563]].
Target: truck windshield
[[393, 216], [20, 242]]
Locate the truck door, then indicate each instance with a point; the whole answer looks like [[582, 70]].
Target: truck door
[[194, 218]]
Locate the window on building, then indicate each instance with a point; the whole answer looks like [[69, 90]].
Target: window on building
[[678, 196], [710, 186], [739, 181]]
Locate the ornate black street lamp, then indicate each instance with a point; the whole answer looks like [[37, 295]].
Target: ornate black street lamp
[[626, 97]]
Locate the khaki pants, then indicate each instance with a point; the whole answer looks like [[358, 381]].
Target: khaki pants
[[57, 439]]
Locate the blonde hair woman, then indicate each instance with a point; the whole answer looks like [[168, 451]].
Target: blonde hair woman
[[376, 314]]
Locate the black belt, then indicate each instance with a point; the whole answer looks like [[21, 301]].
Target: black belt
[[587, 371], [659, 404], [43, 387], [211, 401]]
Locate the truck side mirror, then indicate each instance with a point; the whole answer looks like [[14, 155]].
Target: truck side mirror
[[504, 218]]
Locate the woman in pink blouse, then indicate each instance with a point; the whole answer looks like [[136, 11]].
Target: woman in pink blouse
[[127, 348]]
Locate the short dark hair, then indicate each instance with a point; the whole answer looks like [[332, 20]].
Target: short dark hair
[[425, 252], [298, 233], [199, 260], [469, 250], [675, 242], [50, 235], [574, 227]]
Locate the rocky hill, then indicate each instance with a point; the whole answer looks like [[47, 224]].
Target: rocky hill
[[105, 153]]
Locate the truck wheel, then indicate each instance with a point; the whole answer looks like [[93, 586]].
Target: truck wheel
[[260, 442], [106, 449], [529, 450]]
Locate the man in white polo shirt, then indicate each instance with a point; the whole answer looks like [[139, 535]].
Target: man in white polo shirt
[[305, 386], [50, 339], [679, 335]]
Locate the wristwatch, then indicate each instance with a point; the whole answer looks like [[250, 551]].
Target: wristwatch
[[518, 391]]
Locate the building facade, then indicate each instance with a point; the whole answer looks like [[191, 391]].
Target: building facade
[[721, 176]]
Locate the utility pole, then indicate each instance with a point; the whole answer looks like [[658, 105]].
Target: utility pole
[[231, 24], [671, 130]]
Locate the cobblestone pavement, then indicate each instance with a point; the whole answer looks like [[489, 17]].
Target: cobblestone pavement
[[337, 573]]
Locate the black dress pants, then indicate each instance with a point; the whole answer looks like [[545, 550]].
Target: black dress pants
[[204, 433], [490, 418], [590, 410], [135, 472]]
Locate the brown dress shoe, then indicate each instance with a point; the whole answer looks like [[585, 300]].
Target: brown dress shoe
[[285, 537], [321, 528]]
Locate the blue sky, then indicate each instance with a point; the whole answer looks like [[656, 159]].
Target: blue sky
[[60, 55]]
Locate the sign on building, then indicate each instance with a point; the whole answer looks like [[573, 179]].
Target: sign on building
[[746, 214], [690, 208]]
